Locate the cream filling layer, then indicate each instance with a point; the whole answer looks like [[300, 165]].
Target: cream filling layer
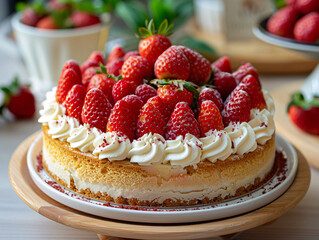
[[171, 189]]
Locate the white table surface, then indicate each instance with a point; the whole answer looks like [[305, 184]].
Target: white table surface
[[18, 221]]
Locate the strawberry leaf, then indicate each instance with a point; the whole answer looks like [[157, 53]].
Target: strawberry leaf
[[298, 100]]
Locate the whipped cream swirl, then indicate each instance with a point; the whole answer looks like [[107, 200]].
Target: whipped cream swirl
[[242, 136], [183, 152], [112, 146], [148, 149], [269, 102], [83, 137], [51, 111], [263, 125], [62, 127], [216, 146]]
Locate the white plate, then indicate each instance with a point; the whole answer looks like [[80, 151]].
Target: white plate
[[251, 201]]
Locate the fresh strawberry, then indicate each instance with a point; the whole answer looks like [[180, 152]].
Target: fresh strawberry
[[135, 102], [160, 105], [96, 109], [66, 82], [74, 101], [173, 94], [210, 94], [104, 83], [72, 64], [182, 122], [30, 17], [145, 92], [135, 69], [121, 89], [89, 63], [154, 42], [88, 74], [82, 19], [130, 54], [56, 5], [209, 118], [115, 67], [307, 28], [172, 64], [250, 85], [283, 21], [123, 118], [116, 53], [224, 82], [244, 70], [307, 6], [150, 120], [200, 69], [291, 2], [237, 109], [19, 100], [98, 56], [304, 113], [47, 23], [223, 64]]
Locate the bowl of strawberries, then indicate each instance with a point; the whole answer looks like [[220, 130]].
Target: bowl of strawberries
[[49, 34]]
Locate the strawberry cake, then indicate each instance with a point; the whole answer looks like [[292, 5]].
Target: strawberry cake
[[158, 127]]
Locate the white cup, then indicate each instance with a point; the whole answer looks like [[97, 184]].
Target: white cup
[[45, 51]]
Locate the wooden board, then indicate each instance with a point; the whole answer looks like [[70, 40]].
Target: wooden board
[[307, 143], [41, 203], [267, 58]]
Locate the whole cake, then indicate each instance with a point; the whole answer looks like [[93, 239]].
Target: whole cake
[[158, 127]]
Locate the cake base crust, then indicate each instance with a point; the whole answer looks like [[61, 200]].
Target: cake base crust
[[128, 183]]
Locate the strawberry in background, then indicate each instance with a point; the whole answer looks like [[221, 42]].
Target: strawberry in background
[[18, 99], [307, 28], [304, 114]]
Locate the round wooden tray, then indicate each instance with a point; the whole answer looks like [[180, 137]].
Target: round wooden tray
[[41, 203], [307, 143]]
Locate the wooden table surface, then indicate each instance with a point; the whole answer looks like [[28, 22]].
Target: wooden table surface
[[18, 221]]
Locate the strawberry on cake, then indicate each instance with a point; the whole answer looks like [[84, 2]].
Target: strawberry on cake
[[170, 130]]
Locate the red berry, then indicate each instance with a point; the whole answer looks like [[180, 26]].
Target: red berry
[[82, 19], [200, 69], [72, 64], [105, 84], [88, 74], [116, 53], [115, 67], [224, 82], [223, 64], [121, 89], [47, 23], [145, 92], [123, 118], [150, 120], [98, 56], [244, 70], [283, 21], [172, 94], [30, 17], [307, 28], [96, 109], [66, 82], [135, 102], [153, 46], [74, 101], [172, 64], [135, 69], [209, 118], [160, 105], [182, 122], [210, 94], [89, 63], [130, 54], [237, 109], [22, 103], [305, 119], [307, 6]]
